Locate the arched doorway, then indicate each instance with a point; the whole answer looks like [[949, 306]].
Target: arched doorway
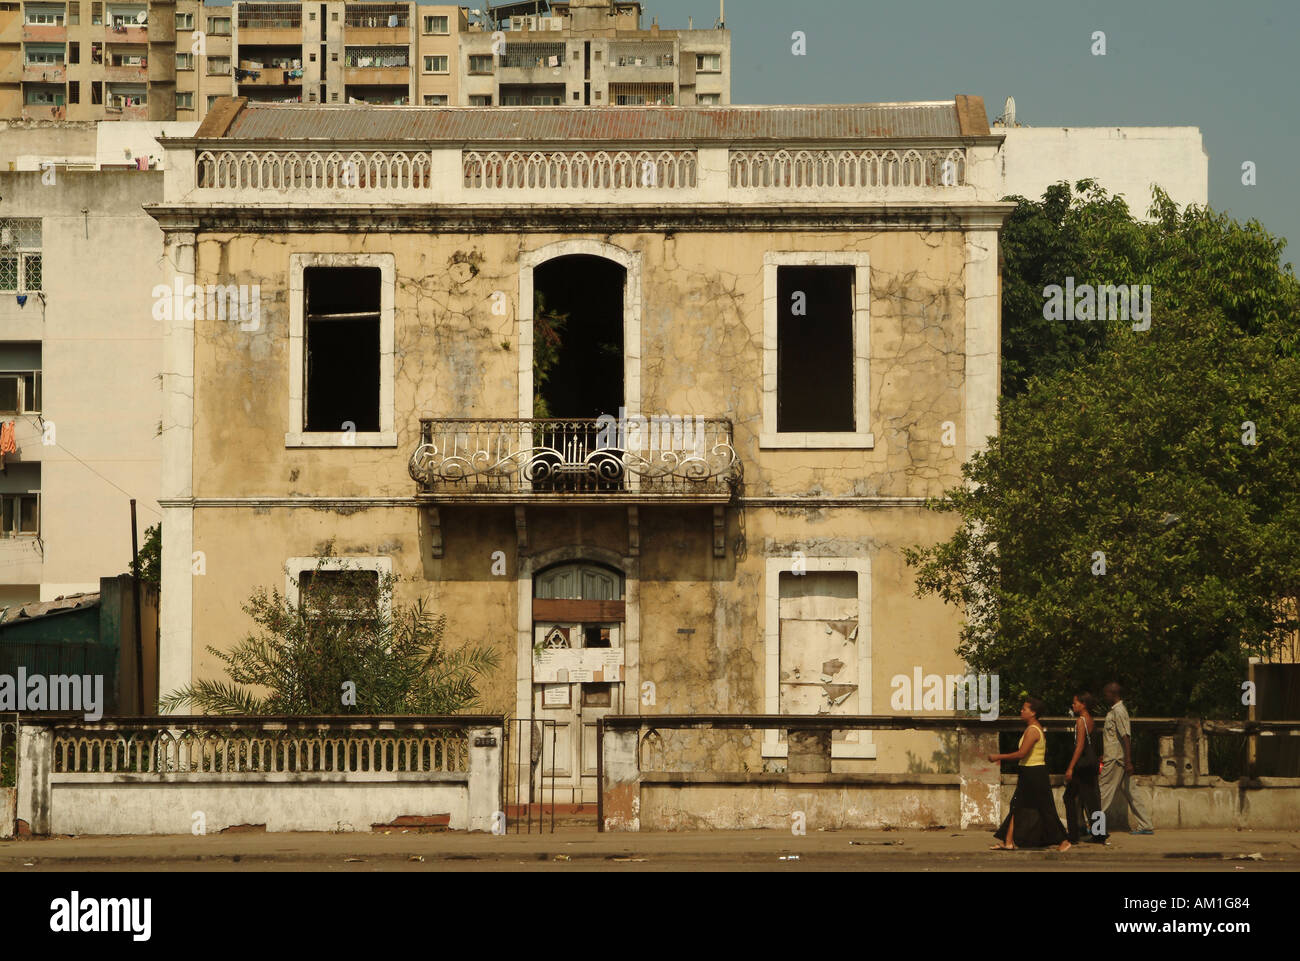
[[578, 636]]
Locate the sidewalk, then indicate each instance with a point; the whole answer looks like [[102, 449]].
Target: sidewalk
[[584, 849]]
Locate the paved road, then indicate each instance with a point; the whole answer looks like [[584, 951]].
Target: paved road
[[586, 850]]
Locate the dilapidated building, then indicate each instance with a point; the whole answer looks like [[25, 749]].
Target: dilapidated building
[[651, 399]]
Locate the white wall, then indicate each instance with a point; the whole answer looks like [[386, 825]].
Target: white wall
[[1125, 160]]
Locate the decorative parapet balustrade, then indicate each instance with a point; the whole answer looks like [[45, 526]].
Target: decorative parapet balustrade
[[313, 170], [452, 175], [659, 457], [580, 169], [812, 169], [253, 747]]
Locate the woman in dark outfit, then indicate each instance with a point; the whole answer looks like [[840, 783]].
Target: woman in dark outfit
[[1081, 788], [1032, 821]]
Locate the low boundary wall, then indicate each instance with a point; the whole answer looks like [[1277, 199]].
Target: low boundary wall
[[182, 775], [810, 794]]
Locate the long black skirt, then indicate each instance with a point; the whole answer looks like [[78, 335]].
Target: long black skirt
[[1037, 825]]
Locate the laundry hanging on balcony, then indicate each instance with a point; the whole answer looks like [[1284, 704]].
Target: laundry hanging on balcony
[[8, 445]]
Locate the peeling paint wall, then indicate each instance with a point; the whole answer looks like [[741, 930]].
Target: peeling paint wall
[[700, 618]]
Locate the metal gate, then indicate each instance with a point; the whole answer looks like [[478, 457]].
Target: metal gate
[[529, 754]]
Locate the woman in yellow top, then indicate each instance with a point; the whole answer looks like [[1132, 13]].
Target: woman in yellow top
[[1032, 821]]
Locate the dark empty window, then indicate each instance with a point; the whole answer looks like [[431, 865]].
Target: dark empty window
[[342, 349], [814, 349]]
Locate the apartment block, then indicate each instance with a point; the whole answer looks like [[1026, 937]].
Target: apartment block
[[591, 53], [87, 61], [80, 350], [172, 59]]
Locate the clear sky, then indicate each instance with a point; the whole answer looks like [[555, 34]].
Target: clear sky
[[1231, 69]]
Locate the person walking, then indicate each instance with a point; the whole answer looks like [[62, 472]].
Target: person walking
[[1082, 793], [1117, 760], [1032, 820]]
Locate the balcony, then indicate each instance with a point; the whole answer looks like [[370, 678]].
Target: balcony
[[387, 76], [126, 73], [120, 33], [376, 23], [642, 63], [44, 33], [44, 73], [641, 460], [43, 111]]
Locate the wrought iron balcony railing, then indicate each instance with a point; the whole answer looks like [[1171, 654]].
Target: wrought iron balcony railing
[[638, 458]]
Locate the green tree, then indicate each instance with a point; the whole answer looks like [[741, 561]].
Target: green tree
[[1168, 454], [342, 648], [1197, 259], [149, 569]]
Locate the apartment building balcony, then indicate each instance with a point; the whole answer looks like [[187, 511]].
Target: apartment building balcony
[[654, 460], [271, 36], [268, 77], [116, 33], [377, 23], [44, 111], [530, 63], [642, 63], [270, 24], [386, 76], [43, 33], [126, 73], [45, 73]]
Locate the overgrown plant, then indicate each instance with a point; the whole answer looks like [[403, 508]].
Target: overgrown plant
[[342, 647]]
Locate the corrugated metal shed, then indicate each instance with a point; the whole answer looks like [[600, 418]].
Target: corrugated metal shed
[[257, 121]]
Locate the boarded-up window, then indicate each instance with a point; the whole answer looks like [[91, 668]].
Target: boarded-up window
[[819, 649]]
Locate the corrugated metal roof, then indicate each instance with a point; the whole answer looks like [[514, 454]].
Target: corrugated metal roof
[[59, 605], [258, 121]]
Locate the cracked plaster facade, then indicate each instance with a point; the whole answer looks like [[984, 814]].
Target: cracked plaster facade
[[696, 623]]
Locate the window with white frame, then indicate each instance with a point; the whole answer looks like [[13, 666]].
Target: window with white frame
[[184, 21], [436, 24], [185, 100], [20, 255], [218, 66], [708, 99], [816, 371], [480, 63], [43, 16], [435, 64], [43, 55], [219, 26], [184, 61], [348, 585], [708, 63], [435, 100], [341, 319]]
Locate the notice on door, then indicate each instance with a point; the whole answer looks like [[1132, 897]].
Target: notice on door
[[592, 665]]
